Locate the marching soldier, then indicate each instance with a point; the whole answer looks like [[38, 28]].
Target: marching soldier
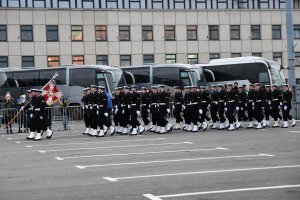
[[153, 110], [205, 104], [258, 106], [286, 106], [163, 110], [30, 112], [250, 105], [276, 103], [86, 110], [221, 106], [145, 107], [39, 114], [187, 109], [195, 109], [231, 105], [94, 110], [135, 111], [103, 113], [267, 105], [177, 107], [126, 110], [214, 107], [117, 112], [242, 102]]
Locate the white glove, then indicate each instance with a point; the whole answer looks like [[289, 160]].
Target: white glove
[[123, 111], [148, 110], [279, 107], [105, 114], [237, 108], [225, 104], [41, 117], [208, 105], [225, 109], [97, 106], [22, 108], [285, 108], [116, 107], [269, 102], [253, 104], [138, 112], [97, 112], [168, 110], [86, 106], [116, 111], [173, 107], [200, 111], [280, 104], [183, 107], [242, 108], [128, 106]]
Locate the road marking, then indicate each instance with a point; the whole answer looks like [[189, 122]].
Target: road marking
[[141, 153], [166, 161], [139, 145], [101, 141], [294, 131], [111, 179], [152, 197]]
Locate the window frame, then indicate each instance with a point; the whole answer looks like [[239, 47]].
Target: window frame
[[57, 60], [214, 56], [280, 34], [102, 60], [192, 29], [73, 61], [3, 60], [4, 30], [124, 29], [48, 31], [235, 29], [101, 31], [296, 29], [74, 31], [23, 30], [146, 32], [149, 55], [193, 54], [211, 30], [170, 29], [23, 61], [170, 59], [255, 31], [122, 59]]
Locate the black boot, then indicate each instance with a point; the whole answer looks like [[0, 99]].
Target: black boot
[[10, 131]]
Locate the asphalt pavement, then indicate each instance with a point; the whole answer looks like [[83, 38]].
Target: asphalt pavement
[[244, 164]]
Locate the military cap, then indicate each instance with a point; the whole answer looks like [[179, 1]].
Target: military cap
[[153, 87], [268, 86], [101, 87], [229, 84], [257, 84], [85, 89], [29, 91], [176, 87], [94, 86], [213, 86], [126, 87], [202, 87], [251, 84], [285, 85], [220, 85], [274, 85], [161, 86], [144, 88], [133, 86]]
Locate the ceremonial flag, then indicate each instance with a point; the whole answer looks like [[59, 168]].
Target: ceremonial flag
[[51, 93]]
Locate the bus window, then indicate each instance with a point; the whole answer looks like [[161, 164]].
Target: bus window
[[166, 75], [185, 79], [141, 75], [128, 78], [102, 82], [27, 78], [46, 75], [82, 77]]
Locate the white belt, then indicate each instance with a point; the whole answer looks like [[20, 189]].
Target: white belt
[[258, 101], [101, 105], [133, 104], [162, 104], [195, 103], [153, 104], [232, 101], [221, 101], [37, 109], [275, 100], [144, 104], [178, 103], [203, 102]]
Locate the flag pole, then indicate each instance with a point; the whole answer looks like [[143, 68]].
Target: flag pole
[[21, 110]]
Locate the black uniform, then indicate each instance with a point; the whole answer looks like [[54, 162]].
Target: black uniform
[[117, 102], [126, 109], [178, 102], [195, 100], [94, 109], [250, 104], [188, 108], [231, 104], [221, 105], [275, 104], [154, 108], [30, 113], [286, 105], [214, 97], [86, 110], [163, 105], [103, 108], [145, 107], [267, 104], [39, 113], [205, 101], [259, 103], [134, 107], [242, 98]]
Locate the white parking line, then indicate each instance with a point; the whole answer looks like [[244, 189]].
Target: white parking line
[[200, 172], [167, 161], [140, 153], [139, 145], [100, 141], [153, 197]]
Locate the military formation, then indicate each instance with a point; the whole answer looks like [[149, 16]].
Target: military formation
[[223, 107]]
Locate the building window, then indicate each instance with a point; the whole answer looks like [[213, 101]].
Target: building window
[[214, 56], [52, 32], [64, 3], [169, 32], [147, 33], [255, 32], [296, 31], [101, 33], [170, 58], [3, 61], [53, 61], [3, 33], [235, 32], [276, 32], [125, 60], [191, 32], [297, 59], [213, 32], [192, 58], [124, 33], [27, 61], [257, 54], [277, 56], [78, 60], [102, 60], [235, 55], [149, 58], [77, 33], [26, 33]]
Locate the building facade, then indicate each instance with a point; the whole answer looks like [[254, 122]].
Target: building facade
[[49, 33]]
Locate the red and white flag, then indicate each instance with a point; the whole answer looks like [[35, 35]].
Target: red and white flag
[[51, 93]]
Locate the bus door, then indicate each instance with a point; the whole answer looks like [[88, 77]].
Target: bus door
[[129, 78], [185, 78], [209, 75]]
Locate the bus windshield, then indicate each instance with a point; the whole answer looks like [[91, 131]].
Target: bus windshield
[[254, 72]]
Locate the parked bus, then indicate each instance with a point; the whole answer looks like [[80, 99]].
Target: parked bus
[[169, 75], [71, 80], [244, 70]]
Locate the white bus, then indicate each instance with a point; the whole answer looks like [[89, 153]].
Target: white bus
[[244, 70], [169, 75], [71, 80]]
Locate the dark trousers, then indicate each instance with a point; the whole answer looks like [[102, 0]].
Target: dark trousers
[[153, 112], [250, 111], [286, 113], [161, 120], [144, 113], [204, 113], [133, 117], [187, 115], [221, 112], [230, 113], [118, 117], [275, 111], [267, 111], [214, 112], [259, 115], [177, 112], [125, 120], [242, 114]]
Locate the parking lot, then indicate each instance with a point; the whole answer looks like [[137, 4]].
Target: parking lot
[[245, 164]]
